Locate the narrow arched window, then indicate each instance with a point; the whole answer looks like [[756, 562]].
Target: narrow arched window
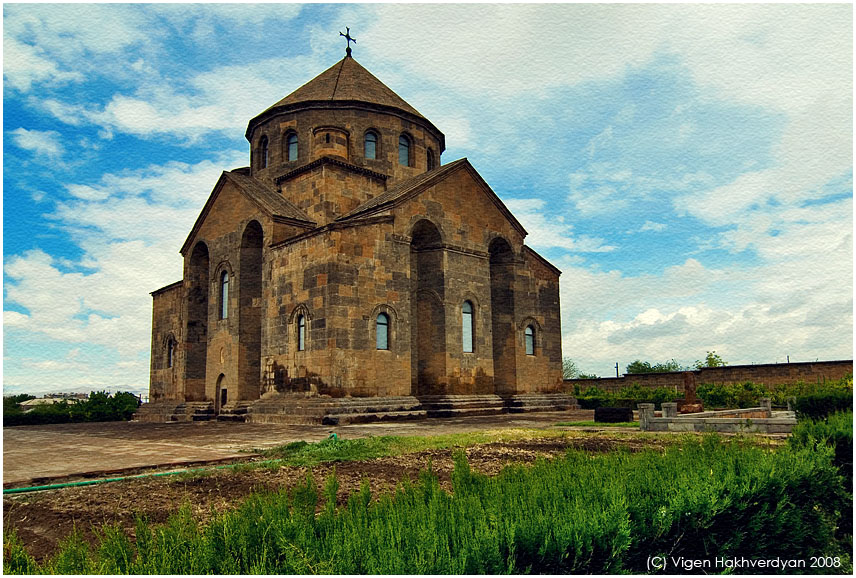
[[404, 150], [301, 332], [467, 318], [382, 326], [430, 160], [170, 352], [291, 147], [371, 145], [263, 152], [529, 337], [224, 295]]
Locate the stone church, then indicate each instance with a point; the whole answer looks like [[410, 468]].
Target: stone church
[[349, 274]]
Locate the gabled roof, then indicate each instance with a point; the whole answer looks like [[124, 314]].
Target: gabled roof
[[268, 200], [411, 187]]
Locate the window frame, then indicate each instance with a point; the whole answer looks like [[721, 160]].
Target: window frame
[[464, 325], [224, 294], [170, 352], [405, 140], [291, 138], [529, 339], [374, 135], [386, 324], [264, 152], [301, 332]]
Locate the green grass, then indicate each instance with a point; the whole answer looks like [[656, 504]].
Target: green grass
[[598, 424], [701, 498], [303, 453]]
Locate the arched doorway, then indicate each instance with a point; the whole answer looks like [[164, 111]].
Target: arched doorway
[[250, 315], [428, 332], [502, 316], [221, 395], [196, 334]]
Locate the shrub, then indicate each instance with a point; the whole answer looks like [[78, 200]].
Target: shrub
[[593, 398], [823, 403], [721, 499], [100, 406]]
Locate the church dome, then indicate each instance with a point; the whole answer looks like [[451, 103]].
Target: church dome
[[335, 114]]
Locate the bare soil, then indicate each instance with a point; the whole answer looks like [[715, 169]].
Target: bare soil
[[43, 519]]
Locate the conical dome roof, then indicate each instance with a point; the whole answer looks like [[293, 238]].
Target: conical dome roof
[[343, 83], [347, 80]]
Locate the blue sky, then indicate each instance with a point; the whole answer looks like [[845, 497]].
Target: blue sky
[[687, 167]]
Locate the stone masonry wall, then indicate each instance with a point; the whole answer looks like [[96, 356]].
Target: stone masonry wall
[[166, 325], [222, 232], [766, 374], [352, 125]]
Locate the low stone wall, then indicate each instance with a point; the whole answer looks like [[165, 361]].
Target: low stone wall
[[751, 420], [767, 374]]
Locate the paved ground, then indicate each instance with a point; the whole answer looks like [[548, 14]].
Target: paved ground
[[34, 455]]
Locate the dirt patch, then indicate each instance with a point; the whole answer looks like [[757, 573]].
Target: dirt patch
[[43, 519]]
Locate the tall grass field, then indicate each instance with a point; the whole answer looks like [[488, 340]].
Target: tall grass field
[[582, 513]]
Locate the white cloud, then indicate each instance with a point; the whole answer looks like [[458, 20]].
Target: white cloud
[[798, 307], [652, 226], [130, 227], [41, 142], [545, 233]]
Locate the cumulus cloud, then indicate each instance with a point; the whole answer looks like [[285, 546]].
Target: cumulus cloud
[[652, 226], [130, 227], [552, 231], [748, 315], [41, 142]]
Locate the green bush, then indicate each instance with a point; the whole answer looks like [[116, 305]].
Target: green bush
[[720, 499], [593, 397], [100, 406], [823, 403], [835, 430]]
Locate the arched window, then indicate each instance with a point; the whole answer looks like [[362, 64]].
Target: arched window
[[529, 338], [404, 150], [467, 318], [170, 352], [430, 160], [224, 295], [291, 147], [301, 332], [382, 326], [371, 145], [263, 152]]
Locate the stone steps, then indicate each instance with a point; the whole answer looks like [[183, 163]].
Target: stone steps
[[462, 405], [528, 402], [288, 409], [235, 411], [301, 410], [162, 412]]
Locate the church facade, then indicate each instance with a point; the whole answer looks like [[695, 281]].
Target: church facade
[[348, 261]]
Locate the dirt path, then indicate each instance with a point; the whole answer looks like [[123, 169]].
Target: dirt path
[[34, 455], [43, 519]]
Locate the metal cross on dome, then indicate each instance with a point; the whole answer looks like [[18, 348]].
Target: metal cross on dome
[[347, 36]]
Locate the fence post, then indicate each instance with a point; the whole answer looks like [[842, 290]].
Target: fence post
[[646, 413], [670, 409]]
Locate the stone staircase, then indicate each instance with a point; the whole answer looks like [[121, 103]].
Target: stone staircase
[[167, 411], [462, 405], [298, 409], [526, 402], [235, 411]]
